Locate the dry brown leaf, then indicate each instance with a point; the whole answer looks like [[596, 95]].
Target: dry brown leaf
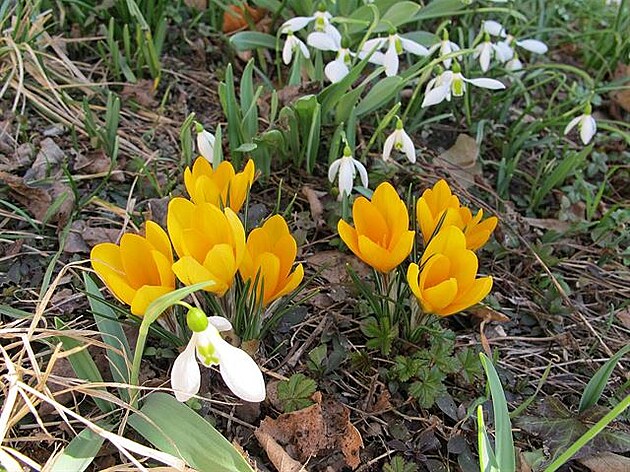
[[622, 97], [35, 199], [624, 317], [487, 314], [281, 460], [143, 92], [95, 162], [333, 266], [549, 223], [317, 209], [46, 162], [461, 160], [320, 428], [198, 4], [235, 18], [606, 462]]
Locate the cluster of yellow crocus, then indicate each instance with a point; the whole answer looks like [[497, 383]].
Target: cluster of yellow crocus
[[446, 280], [209, 240]]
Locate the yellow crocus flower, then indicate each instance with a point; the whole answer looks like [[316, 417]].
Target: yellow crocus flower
[[445, 282], [210, 243], [139, 269], [221, 187], [438, 208], [270, 254], [381, 237]]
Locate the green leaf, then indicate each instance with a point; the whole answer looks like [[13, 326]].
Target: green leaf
[[428, 387], [83, 365], [381, 334], [112, 335], [399, 14], [79, 453], [384, 91], [296, 392], [407, 367], [439, 8], [504, 443], [398, 464], [487, 460], [247, 40], [246, 147], [174, 428], [595, 387]]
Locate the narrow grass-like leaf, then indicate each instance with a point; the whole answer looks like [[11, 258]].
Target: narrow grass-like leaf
[[246, 40], [595, 387], [112, 334], [79, 453], [504, 443], [83, 364], [384, 91], [487, 461], [174, 428]]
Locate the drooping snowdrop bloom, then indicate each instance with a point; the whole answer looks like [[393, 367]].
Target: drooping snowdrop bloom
[[336, 70], [291, 44], [400, 141], [205, 142], [585, 123], [396, 45], [347, 167], [445, 46], [454, 83], [239, 371], [484, 51], [322, 25], [504, 49], [514, 64]]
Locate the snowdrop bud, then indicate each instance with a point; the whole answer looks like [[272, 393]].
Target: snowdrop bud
[[196, 320]]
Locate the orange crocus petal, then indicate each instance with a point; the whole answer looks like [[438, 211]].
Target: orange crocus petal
[[369, 221], [145, 296], [240, 185], [190, 272], [425, 219], [440, 296], [164, 266], [413, 273], [179, 217], [435, 271], [374, 255], [237, 237], [138, 264], [269, 270], [220, 263], [349, 236], [477, 236], [465, 270], [159, 239], [393, 209], [446, 241], [402, 248], [105, 258], [478, 291], [291, 282]]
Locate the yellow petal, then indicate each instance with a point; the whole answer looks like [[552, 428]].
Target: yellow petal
[[440, 296], [135, 253], [237, 235], [221, 264], [393, 209], [158, 238], [105, 258], [435, 271], [402, 248], [413, 272], [478, 235], [145, 296], [268, 279], [425, 219], [477, 292], [190, 272], [165, 269], [349, 236], [369, 221], [464, 269], [179, 216], [375, 255], [291, 282], [448, 241]]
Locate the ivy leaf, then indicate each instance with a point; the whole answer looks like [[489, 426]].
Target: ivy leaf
[[428, 387], [559, 428], [295, 393]]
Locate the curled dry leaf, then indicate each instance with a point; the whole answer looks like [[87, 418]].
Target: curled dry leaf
[[461, 160], [324, 427], [235, 18], [317, 209], [46, 162], [282, 461], [606, 462]]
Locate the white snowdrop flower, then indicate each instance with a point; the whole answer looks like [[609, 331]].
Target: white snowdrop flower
[[205, 142], [291, 44], [585, 123], [484, 51], [239, 371], [514, 64], [322, 25], [400, 141], [336, 70], [347, 167], [504, 49], [493, 28], [445, 47], [454, 83], [396, 45]]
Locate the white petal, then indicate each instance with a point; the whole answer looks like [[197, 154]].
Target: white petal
[[336, 70], [362, 172], [431, 84], [572, 124], [533, 45], [205, 144], [503, 51], [220, 323], [377, 58], [334, 34], [333, 170], [240, 372], [185, 375], [454, 46], [287, 50], [434, 47], [514, 65], [322, 41], [407, 146], [484, 56], [588, 129], [346, 176], [413, 47], [373, 43], [436, 95], [486, 83], [303, 48], [389, 145], [494, 28], [391, 60], [295, 24]]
